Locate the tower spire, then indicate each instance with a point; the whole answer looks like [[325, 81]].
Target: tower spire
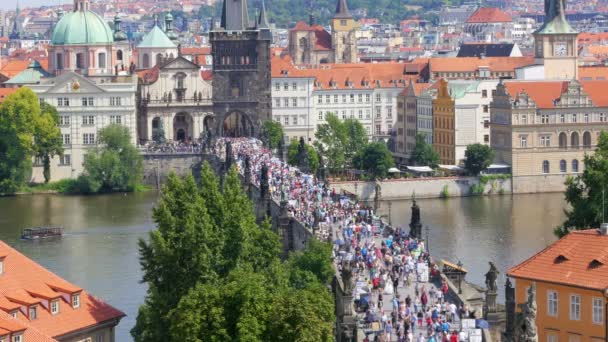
[[235, 15], [263, 21], [342, 10]]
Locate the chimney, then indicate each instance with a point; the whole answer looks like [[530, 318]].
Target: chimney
[[604, 229]]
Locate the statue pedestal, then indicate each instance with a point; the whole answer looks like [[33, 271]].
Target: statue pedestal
[[491, 301], [416, 230]]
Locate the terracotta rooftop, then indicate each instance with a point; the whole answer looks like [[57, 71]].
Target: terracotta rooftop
[[543, 93], [4, 92], [13, 67], [599, 72], [578, 259], [348, 76], [322, 37], [25, 282], [472, 64], [489, 15]]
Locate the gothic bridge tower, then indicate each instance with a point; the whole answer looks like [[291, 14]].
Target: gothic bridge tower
[[241, 71]]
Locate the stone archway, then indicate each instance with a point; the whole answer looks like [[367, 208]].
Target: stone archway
[[183, 127], [237, 124]]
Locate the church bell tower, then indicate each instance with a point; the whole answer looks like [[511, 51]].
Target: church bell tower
[[241, 71], [343, 38], [556, 43]]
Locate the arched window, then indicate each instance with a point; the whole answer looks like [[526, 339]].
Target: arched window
[[171, 55], [546, 168], [574, 165], [159, 58], [146, 61], [180, 80], [119, 55], [79, 61], [101, 60], [59, 61], [303, 43], [562, 165], [586, 140], [563, 140], [574, 140]]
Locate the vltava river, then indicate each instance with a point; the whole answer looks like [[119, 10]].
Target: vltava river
[[99, 249]]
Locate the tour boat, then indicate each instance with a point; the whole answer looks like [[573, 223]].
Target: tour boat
[[41, 233]]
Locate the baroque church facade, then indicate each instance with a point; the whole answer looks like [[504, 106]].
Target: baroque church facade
[[312, 44]]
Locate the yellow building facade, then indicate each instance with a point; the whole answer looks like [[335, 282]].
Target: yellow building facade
[[443, 125]]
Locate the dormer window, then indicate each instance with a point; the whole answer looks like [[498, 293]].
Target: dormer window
[[15, 314], [595, 263], [1, 266], [55, 306], [33, 314], [560, 258], [18, 338], [76, 300]]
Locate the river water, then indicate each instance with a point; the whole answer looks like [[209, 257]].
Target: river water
[[99, 249]]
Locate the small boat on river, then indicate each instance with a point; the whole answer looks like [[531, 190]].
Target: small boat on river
[[36, 233]]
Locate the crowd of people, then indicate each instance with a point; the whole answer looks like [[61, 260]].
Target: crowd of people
[[173, 147], [390, 273]]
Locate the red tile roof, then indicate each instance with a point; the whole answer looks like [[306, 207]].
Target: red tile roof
[[597, 92], [14, 67], [360, 75], [206, 50], [489, 15], [4, 92], [543, 93], [472, 64], [26, 282], [578, 259], [322, 37]]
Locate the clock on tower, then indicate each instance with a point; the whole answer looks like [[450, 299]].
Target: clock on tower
[[560, 49]]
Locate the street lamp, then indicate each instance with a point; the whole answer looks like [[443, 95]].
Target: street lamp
[[390, 222], [428, 249]]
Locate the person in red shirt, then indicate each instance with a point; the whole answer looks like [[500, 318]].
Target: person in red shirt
[[454, 336]]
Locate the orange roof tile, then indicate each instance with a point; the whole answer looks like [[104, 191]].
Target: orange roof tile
[[472, 64], [21, 274], [597, 92], [577, 270], [489, 15], [542, 93], [4, 92], [14, 67], [596, 72], [348, 75], [598, 49], [322, 37], [206, 50]]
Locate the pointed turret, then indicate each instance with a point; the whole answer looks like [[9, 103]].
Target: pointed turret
[[169, 27], [411, 91], [119, 35], [342, 11], [262, 20], [235, 15], [15, 32]]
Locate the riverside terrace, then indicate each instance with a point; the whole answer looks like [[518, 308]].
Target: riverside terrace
[[387, 285]]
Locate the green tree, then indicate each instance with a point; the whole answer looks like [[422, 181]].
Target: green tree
[[273, 131], [332, 138], [18, 116], [115, 166], [292, 155], [356, 138], [585, 193], [424, 154], [47, 138], [213, 274], [375, 159], [477, 158]]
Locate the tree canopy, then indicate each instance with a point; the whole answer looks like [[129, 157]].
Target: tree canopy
[[586, 192], [340, 140], [477, 158], [375, 159], [213, 274], [424, 154], [25, 131], [273, 133], [114, 166]]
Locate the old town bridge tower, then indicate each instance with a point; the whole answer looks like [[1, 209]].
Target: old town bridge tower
[[241, 71]]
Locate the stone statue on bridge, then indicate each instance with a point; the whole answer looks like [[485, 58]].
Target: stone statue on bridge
[[415, 225], [229, 157], [303, 157], [264, 184], [528, 332], [491, 277]]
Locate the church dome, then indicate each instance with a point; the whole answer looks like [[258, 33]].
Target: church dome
[[82, 27]]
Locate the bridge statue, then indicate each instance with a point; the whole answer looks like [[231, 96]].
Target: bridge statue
[[415, 225], [491, 277], [527, 328]]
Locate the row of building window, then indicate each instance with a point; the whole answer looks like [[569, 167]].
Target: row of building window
[[87, 139], [351, 98], [277, 86], [87, 101], [80, 63], [597, 307], [545, 140], [561, 118], [563, 167], [88, 120]]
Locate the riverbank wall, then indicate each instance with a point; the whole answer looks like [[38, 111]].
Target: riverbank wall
[[398, 189]]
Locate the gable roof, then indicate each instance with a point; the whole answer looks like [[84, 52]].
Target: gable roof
[[489, 15], [26, 282], [322, 37], [31, 75], [485, 49], [580, 249], [543, 93]]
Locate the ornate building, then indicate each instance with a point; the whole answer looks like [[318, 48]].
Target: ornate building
[[312, 44], [174, 95], [156, 47], [241, 71]]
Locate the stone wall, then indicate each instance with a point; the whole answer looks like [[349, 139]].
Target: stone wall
[[158, 166], [422, 187], [541, 183]]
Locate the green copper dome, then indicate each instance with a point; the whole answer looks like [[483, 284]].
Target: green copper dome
[[82, 28]]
